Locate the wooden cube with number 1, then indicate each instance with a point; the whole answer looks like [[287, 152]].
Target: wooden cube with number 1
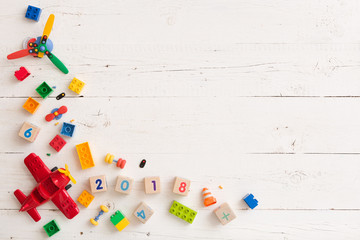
[[181, 186], [29, 132], [152, 185], [98, 184]]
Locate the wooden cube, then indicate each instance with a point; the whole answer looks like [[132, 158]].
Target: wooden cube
[[152, 185], [181, 186], [98, 184], [124, 184], [224, 213], [143, 212], [29, 132]]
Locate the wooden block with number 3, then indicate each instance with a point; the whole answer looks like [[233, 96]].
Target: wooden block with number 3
[[152, 185], [29, 132], [143, 212], [98, 184], [181, 186]]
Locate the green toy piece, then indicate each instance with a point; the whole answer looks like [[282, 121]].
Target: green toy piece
[[48, 154], [51, 228], [44, 90], [182, 212], [117, 217]]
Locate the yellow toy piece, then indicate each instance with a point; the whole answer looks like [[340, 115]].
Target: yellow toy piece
[[85, 198], [49, 24], [109, 158], [94, 222], [122, 224], [104, 208], [76, 85], [85, 157]]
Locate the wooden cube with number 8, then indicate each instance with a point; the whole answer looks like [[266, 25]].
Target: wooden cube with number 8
[[98, 184], [152, 185], [181, 186], [143, 212], [123, 184], [29, 132]]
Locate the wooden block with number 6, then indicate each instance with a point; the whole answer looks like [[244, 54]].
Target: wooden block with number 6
[[152, 185], [181, 186], [143, 212], [98, 184], [29, 132], [123, 184]]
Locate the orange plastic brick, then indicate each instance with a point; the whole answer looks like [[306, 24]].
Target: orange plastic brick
[[85, 198], [31, 105], [85, 157]]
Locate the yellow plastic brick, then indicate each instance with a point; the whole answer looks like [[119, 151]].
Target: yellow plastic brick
[[85, 157], [76, 85], [85, 198], [122, 224], [31, 105]]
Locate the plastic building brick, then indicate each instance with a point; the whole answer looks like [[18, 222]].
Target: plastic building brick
[[143, 212], [57, 143], [22, 73], [103, 209], [208, 197], [224, 213], [85, 157], [119, 220], [250, 201], [31, 105], [67, 129], [124, 184], [51, 228], [98, 184], [29, 132], [51, 185], [44, 90], [120, 163], [182, 212], [76, 85], [181, 186], [152, 185], [33, 13], [85, 198]]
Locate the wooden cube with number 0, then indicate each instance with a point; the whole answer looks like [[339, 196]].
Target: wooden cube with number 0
[[143, 212], [124, 184], [152, 185], [98, 184], [29, 132], [181, 186]]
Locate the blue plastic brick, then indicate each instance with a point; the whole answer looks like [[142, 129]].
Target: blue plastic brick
[[33, 13], [250, 201], [67, 129]]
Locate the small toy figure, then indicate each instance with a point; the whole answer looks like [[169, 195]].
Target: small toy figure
[[208, 198], [95, 220], [52, 185], [142, 163], [119, 163], [22, 73], [56, 113]]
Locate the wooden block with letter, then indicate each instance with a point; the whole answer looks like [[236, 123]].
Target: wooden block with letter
[[181, 186], [124, 184], [224, 213], [143, 212], [152, 185], [98, 184]]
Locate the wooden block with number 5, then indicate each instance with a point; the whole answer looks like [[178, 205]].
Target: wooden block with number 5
[[29, 132], [98, 184], [152, 185], [143, 212], [123, 184], [181, 186]]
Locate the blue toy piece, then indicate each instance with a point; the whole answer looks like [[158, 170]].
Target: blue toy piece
[[250, 201], [49, 43], [58, 116], [33, 13], [67, 129]]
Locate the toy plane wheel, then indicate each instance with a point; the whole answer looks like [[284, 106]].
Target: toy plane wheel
[[94, 222], [109, 158], [104, 208]]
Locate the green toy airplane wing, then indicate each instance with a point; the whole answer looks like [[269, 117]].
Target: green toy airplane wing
[[57, 62]]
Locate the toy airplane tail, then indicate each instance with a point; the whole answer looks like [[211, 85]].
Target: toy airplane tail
[[32, 212]]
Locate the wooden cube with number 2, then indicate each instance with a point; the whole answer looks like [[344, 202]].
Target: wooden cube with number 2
[[152, 185], [181, 186], [98, 184], [29, 132], [123, 184], [143, 212]]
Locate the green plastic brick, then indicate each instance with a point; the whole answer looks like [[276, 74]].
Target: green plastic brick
[[117, 217], [182, 212], [44, 90], [51, 228]]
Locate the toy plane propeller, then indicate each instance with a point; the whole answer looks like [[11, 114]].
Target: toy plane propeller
[[40, 46], [52, 185]]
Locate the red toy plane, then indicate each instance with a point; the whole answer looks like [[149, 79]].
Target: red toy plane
[[52, 185]]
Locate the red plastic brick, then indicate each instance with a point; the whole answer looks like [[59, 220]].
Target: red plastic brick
[[57, 143], [22, 73]]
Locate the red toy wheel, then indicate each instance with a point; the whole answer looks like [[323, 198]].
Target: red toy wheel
[[121, 163]]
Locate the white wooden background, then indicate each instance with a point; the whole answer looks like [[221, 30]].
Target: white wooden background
[[258, 96]]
